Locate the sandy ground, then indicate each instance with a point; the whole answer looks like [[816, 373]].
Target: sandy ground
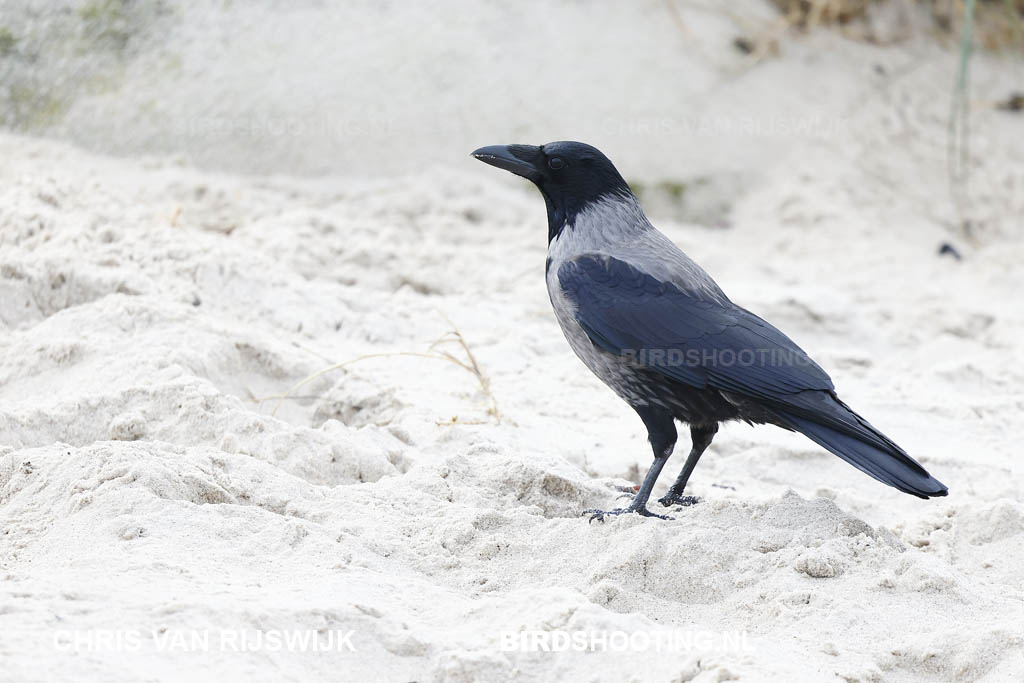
[[153, 488]]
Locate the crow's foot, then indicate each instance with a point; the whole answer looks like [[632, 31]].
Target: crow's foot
[[600, 514], [685, 501]]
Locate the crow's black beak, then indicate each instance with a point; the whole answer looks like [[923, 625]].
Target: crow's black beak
[[512, 158]]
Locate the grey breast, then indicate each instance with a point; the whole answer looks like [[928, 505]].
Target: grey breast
[[616, 226]]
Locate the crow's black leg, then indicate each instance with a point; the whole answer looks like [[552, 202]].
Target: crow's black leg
[[661, 431], [701, 436]]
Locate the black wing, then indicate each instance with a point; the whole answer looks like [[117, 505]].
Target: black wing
[[700, 343]]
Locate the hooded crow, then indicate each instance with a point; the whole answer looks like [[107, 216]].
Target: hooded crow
[[654, 327]]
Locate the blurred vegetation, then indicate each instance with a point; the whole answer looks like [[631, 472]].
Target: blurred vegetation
[[811, 13], [701, 199], [7, 42], [110, 24], [998, 24], [50, 53]]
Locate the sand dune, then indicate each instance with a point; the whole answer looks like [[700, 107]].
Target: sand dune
[[155, 487]]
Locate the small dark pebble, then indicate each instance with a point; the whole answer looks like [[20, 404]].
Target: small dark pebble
[[947, 248], [1015, 103], [744, 45]]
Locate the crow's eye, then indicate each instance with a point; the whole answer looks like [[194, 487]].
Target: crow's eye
[[554, 163]]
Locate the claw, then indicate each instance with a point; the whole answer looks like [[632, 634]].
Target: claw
[[600, 514], [685, 501]]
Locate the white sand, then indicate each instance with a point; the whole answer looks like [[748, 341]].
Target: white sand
[[145, 303]]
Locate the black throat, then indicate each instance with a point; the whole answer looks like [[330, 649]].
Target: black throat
[[557, 219]]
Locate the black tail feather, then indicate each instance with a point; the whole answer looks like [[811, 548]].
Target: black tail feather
[[833, 426]]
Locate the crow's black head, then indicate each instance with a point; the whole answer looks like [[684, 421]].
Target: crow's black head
[[570, 175]]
